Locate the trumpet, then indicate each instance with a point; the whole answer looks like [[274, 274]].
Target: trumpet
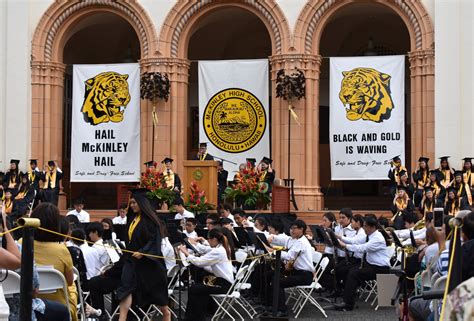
[[419, 225], [210, 280]]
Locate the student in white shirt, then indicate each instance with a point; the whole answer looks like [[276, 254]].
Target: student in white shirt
[[344, 229], [226, 212], [91, 257], [168, 253], [277, 236], [95, 231], [261, 226], [241, 218], [79, 212], [301, 252], [181, 212], [217, 261], [376, 260], [121, 217], [190, 227]]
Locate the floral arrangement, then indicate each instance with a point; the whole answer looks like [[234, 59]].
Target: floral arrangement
[[291, 87], [197, 201], [248, 190], [155, 182], [154, 85]]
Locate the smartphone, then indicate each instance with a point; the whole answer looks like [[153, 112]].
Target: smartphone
[[438, 218]]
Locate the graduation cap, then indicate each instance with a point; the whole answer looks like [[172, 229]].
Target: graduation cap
[[267, 160], [167, 160], [444, 158], [402, 173], [423, 159], [402, 187], [457, 173], [467, 160], [23, 175], [428, 189], [396, 158], [149, 163], [15, 161], [434, 172], [33, 161], [251, 161], [51, 163], [138, 192], [451, 190], [203, 144]]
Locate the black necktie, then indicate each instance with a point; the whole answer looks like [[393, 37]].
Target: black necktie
[[364, 257]]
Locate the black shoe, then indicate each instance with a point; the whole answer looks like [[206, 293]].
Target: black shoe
[[343, 307], [320, 290], [334, 294]]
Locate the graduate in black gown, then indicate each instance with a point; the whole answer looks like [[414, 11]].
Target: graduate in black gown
[[143, 278], [11, 179], [266, 172], [202, 154], [222, 176]]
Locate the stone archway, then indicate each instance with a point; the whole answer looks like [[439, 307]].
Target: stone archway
[[48, 69], [311, 24], [174, 38]]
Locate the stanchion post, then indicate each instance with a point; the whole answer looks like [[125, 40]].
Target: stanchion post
[[276, 283], [26, 283]]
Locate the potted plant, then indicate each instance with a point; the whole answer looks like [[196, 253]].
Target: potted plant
[[197, 201]]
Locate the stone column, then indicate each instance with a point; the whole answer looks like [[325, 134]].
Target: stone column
[[304, 137], [422, 105], [171, 131], [47, 114]]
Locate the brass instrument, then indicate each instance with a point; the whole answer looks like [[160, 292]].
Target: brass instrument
[[419, 225], [395, 216], [210, 280], [290, 264]]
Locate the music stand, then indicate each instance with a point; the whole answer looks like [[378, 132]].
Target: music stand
[[191, 247], [202, 232], [320, 234], [243, 236], [121, 231]]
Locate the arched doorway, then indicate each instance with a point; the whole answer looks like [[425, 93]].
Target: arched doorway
[[359, 29], [214, 38], [114, 41], [79, 32]]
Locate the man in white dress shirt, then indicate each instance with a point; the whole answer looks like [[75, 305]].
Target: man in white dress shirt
[[301, 252], [79, 212], [225, 212], [344, 229], [95, 230], [91, 257], [181, 212], [376, 260], [122, 215]]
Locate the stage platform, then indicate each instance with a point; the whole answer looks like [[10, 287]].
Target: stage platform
[[310, 217]]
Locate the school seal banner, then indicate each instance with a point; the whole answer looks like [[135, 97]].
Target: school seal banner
[[105, 140], [367, 116], [233, 105]]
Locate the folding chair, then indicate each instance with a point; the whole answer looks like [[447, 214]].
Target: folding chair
[[81, 306], [174, 279], [305, 291], [225, 301], [11, 284], [51, 280], [246, 286], [440, 284]]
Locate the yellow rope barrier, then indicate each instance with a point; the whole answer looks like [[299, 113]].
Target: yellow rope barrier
[[12, 230], [144, 254]]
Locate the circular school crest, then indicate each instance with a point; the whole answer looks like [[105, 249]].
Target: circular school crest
[[234, 120]]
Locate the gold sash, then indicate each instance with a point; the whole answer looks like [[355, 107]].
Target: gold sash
[[8, 206], [12, 182], [169, 179], [50, 177], [422, 183], [20, 195], [447, 176], [133, 225], [262, 176], [397, 173], [468, 193], [203, 157], [467, 178], [401, 204], [428, 208], [31, 175]]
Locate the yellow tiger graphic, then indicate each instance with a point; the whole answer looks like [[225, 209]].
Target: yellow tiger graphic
[[367, 92], [106, 97]]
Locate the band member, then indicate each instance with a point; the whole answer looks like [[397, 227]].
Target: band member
[[172, 179], [447, 173], [401, 206], [439, 192], [462, 189], [218, 261], [455, 204], [222, 175], [299, 266], [345, 229], [12, 177], [467, 176], [52, 178], [375, 260], [429, 202], [394, 174], [202, 154], [421, 178], [266, 172]]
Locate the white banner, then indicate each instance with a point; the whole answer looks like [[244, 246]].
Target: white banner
[[367, 116], [105, 142], [233, 110]]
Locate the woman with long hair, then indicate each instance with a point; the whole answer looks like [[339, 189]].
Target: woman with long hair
[[217, 259], [421, 178], [401, 206], [143, 277]]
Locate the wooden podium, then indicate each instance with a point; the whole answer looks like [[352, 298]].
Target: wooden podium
[[204, 173]]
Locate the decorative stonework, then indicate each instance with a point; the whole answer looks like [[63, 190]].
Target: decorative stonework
[[314, 22], [203, 4]]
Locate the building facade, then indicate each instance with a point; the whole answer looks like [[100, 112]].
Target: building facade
[[41, 39]]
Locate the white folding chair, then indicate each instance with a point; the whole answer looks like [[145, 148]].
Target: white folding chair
[[246, 286], [305, 291], [173, 274], [439, 284], [11, 284], [225, 301], [51, 280], [77, 279]]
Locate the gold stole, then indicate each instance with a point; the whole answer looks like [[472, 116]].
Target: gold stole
[[31, 175], [421, 183], [20, 195], [12, 182], [8, 206], [397, 173], [447, 176], [169, 178], [401, 204], [467, 178], [50, 178], [203, 157], [468, 193], [133, 225], [428, 208], [262, 176], [453, 208], [436, 189]]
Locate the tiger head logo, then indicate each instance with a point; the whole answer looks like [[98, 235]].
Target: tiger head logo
[[105, 99], [367, 92]]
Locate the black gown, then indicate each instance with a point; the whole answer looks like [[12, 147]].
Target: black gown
[[221, 184], [49, 194], [208, 157], [145, 278]]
